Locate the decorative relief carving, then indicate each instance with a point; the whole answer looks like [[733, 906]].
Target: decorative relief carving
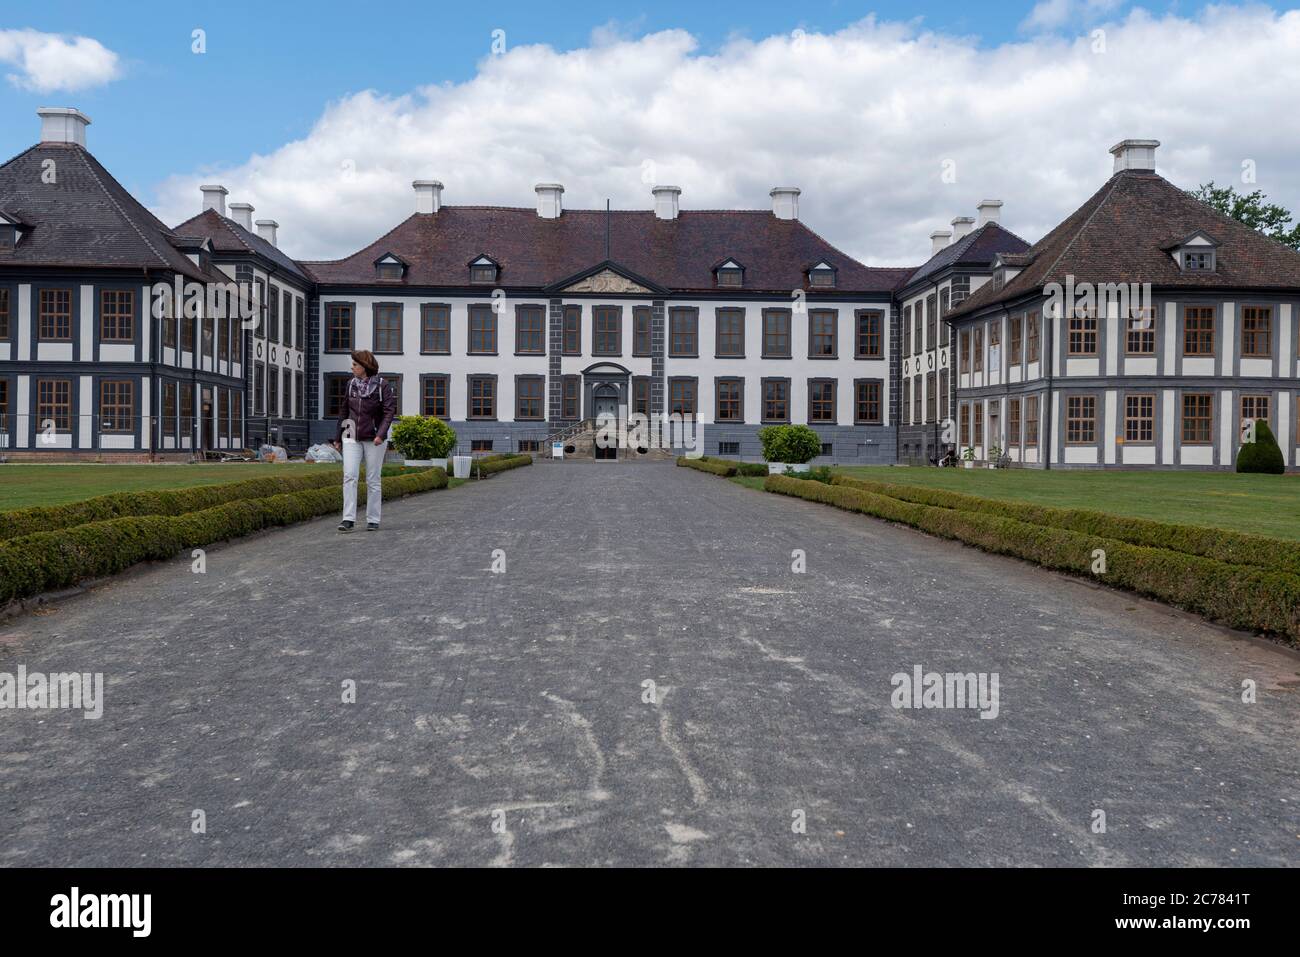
[[607, 281]]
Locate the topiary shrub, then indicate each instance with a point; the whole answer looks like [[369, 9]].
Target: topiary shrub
[[422, 437], [791, 444], [1262, 455]]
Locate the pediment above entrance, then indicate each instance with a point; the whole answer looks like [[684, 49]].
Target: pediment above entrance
[[608, 281]]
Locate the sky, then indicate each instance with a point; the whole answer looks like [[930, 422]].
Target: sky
[[892, 117]]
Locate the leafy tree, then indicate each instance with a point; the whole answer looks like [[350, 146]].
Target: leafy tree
[[1253, 210]]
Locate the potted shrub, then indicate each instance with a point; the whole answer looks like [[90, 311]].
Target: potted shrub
[[789, 448], [423, 440], [995, 456], [968, 457]]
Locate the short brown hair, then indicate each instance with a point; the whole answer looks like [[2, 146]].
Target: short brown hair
[[366, 359]]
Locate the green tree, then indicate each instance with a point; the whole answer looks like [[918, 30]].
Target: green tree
[[1262, 455], [1252, 209]]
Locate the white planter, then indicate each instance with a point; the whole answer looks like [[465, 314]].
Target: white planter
[[992, 465], [780, 468], [967, 464], [460, 465]]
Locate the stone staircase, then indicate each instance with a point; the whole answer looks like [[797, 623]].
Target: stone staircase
[[581, 437]]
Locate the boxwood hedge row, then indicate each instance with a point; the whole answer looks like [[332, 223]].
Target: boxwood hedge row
[[1237, 548], [712, 466], [491, 464], [47, 561], [46, 518], [1241, 596]]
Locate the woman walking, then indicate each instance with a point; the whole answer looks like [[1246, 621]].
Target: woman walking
[[365, 414]]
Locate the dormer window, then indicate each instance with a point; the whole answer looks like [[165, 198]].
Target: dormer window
[[8, 236], [484, 270], [390, 268], [729, 273], [1195, 253], [822, 276]]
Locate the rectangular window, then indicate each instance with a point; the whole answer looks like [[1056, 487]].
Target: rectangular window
[[977, 349], [776, 333], [480, 445], [1031, 421], [223, 413], [54, 404], [1198, 331], [572, 330], [223, 339], [187, 410], [1017, 339], [1257, 332], [482, 397], [944, 411], [918, 334], [1013, 423], [287, 392], [433, 398], [822, 337], [918, 410], [54, 316], [530, 397], [1082, 339], [931, 404], [869, 343], [259, 391], [288, 318], [1198, 418], [828, 448], [388, 327], [607, 331], [1080, 420], [435, 329], [1139, 418], [730, 325], [300, 391], [1254, 407], [300, 324], [272, 393], [4, 313], [571, 405], [821, 400], [209, 337], [641, 395], [965, 425], [273, 315], [530, 445], [907, 329], [683, 332], [116, 315], [169, 408], [931, 321], [776, 400], [979, 423], [730, 395], [965, 351], [169, 328], [530, 330], [261, 308], [482, 331], [116, 405], [641, 316], [681, 397], [866, 402], [1141, 333], [943, 311], [1032, 352], [338, 327], [728, 448], [336, 392]]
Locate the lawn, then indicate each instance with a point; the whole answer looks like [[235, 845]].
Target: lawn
[[1262, 504], [22, 485]]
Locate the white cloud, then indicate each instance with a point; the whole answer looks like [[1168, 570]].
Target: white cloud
[[1055, 14], [862, 120], [55, 62]]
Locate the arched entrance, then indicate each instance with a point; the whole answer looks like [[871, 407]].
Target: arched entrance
[[605, 387]]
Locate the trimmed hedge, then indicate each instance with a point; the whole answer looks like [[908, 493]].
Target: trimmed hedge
[[47, 561], [1240, 596], [46, 518], [713, 467], [1236, 548], [491, 464]]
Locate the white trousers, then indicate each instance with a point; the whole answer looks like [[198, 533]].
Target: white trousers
[[374, 455]]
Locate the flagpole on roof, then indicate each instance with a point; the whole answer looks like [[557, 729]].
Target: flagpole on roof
[[606, 229]]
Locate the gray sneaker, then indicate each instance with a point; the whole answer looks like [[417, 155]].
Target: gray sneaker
[[372, 526], [346, 526]]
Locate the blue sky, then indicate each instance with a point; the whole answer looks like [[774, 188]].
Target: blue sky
[[321, 114]]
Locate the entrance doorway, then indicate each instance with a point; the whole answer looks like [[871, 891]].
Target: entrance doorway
[[604, 405]]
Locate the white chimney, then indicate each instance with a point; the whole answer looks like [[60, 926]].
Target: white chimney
[[428, 195], [666, 201], [242, 213], [961, 227], [266, 229], [989, 210], [61, 124], [785, 202], [549, 204], [1135, 154], [214, 197], [939, 239]]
